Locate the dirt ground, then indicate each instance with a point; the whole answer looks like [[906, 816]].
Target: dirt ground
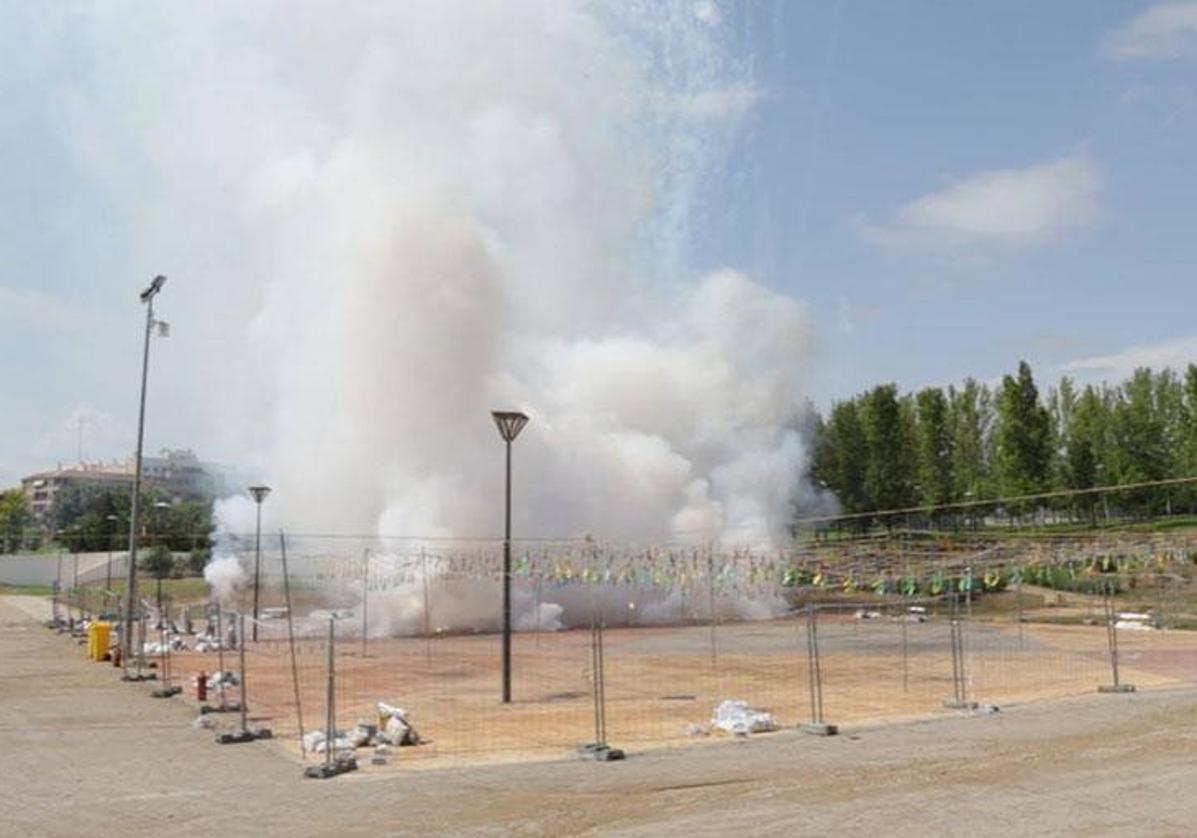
[[661, 681], [86, 754]]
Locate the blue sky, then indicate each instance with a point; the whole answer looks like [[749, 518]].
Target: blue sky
[[870, 108], [949, 187]]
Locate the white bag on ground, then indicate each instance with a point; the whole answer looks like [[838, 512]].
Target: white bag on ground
[[316, 742], [738, 719], [395, 728]]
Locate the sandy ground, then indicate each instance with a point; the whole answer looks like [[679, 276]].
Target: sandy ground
[[662, 680], [86, 754]]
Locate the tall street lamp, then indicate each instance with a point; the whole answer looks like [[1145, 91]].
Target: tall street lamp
[[259, 494], [510, 423], [147, 297], [159, 510], [111, 519]]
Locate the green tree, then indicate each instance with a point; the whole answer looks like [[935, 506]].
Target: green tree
[[1085, 446], [935, 448], [158, 562], [889, 473], [1186, 460], [14, 517], [841, 456], [1139, 435], [971, 411], [1023, 436]]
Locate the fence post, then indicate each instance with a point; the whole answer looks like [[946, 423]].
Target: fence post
[[333, 764], [816, 726], [167, 690], [58, 591], [136, 645], [599, 750], [428, 608], [711, 605], [365, 602], [1112, 643], [243, 734], [282, 544], [959, 700], [1018, 601]]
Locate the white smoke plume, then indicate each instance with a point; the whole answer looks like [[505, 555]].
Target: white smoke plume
[[383, 220], [225, 577]]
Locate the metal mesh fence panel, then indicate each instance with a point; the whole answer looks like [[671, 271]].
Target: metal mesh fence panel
[[901, 631]]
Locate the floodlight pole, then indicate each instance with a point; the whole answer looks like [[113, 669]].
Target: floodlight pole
[[507, 586], [147, 297], [259, 494], [160, 505], [510, 424], [111, 519]]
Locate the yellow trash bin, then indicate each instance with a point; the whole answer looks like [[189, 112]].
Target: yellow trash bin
[[98, 636]]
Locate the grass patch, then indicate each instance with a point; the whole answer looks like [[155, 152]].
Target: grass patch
[[25, 590], [191, 588]]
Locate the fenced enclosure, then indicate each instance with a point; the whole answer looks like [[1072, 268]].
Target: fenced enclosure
[[849, 634]]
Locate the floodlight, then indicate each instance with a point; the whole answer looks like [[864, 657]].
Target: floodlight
[[259, 493], [509, 423], [153, 288]]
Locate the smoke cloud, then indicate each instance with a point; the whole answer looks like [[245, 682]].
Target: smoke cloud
[[384, 220], [225, 577]]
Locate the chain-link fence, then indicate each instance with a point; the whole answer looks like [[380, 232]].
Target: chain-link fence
[[645, 647]]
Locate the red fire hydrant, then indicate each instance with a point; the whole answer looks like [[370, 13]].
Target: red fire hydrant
[[201, 686]]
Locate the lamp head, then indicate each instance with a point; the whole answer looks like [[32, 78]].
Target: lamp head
[[153, 288], [259, 493], [509, 423]]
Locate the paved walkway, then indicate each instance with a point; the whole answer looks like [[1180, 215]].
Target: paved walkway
[[83, 754]]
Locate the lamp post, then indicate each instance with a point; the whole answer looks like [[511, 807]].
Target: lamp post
[[159, 510], [111, 519], [259, 494], [509, 423], [147, 297]]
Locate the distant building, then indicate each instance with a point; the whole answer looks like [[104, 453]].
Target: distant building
[[179, 474]]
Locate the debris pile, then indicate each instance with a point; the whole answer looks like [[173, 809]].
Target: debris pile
[[221, 680], [157, 647], [393, 729], [316, 741], [738, 719]]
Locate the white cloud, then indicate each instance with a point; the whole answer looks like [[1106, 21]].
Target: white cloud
[[1166, 30], [999, 208], [1176, 353]]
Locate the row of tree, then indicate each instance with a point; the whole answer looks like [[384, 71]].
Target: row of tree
[[95, 518], [887, 450]]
